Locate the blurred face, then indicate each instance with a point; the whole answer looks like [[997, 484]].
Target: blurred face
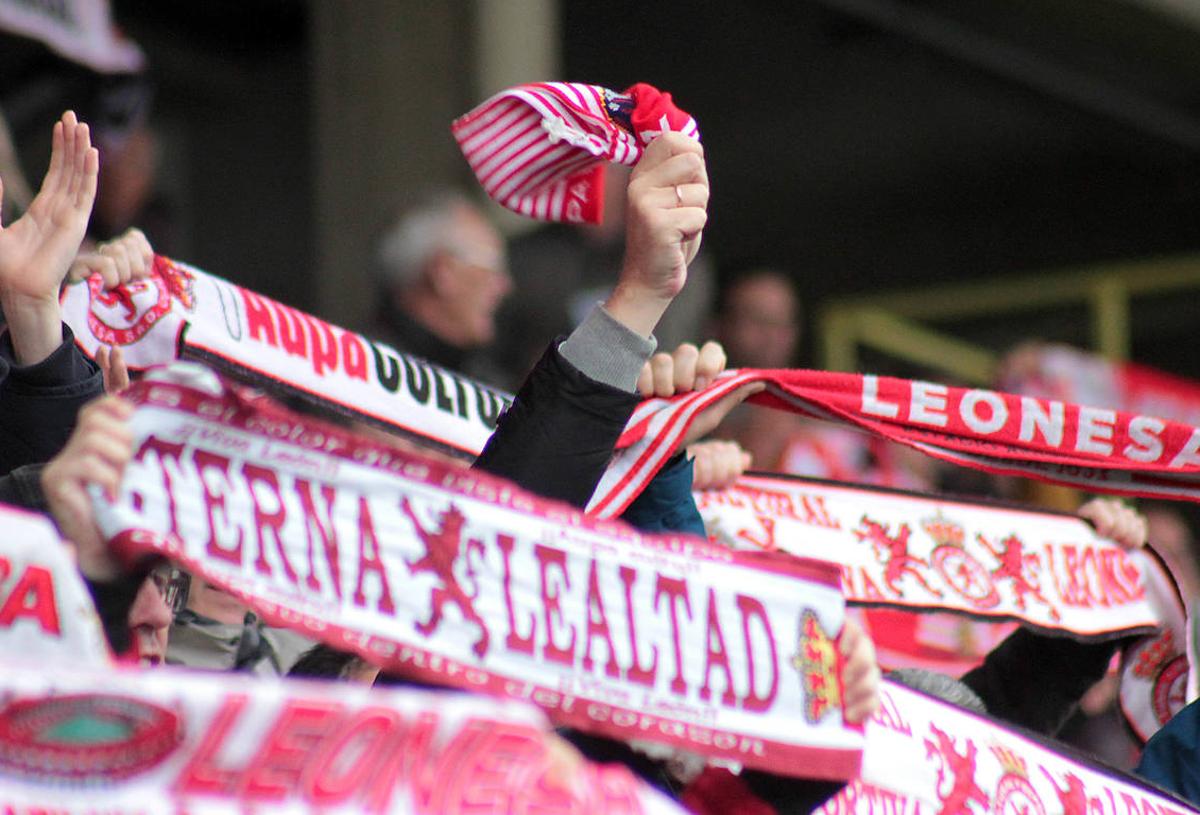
[[474, 280], [149, 621], [759, 326], [214, 603]]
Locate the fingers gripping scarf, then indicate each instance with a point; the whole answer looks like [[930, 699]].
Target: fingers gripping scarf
[[539, 149]]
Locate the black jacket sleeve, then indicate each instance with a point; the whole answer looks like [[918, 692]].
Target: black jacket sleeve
[[558, 436], [1035, 680], [39, 403], [23, 488]]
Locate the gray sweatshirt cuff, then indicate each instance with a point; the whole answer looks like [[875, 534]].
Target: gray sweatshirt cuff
[[603, 349]]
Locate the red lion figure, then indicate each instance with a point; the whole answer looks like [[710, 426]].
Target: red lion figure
[[1013, 562], [961, 768], [893, 553], [441, 552], [1072, 797]]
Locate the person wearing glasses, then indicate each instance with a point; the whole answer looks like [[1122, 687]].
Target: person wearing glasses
[[215, 631]]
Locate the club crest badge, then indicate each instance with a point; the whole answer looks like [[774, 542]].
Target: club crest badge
[[124, 315], [85, 739], [1015, 793], [817, 661]]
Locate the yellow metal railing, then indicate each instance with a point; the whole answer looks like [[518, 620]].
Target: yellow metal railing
[[903, 324]]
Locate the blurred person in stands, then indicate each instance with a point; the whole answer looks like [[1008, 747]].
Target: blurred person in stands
[[758, 321], [1173, 540], [1099, 726], [441, 274]]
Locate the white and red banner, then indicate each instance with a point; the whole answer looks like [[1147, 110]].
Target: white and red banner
[[1099, 449], [927, 756], [183, 312], [46, 612], [918, 552], [164, 741], [459, 578]]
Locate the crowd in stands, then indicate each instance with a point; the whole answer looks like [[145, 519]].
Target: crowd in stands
[[449, 290]]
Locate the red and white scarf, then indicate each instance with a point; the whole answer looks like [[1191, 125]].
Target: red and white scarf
[[927, 552], [1099, 449], [459, 578], [539, 149], [184, 312], [926, 756], [167, 741], [181, 312]]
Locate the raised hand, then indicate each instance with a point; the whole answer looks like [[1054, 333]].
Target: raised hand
[[1121, 524], [665, 215], [96, 453], [36, 250], [686, 369]]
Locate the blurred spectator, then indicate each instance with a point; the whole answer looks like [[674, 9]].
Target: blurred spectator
[[218, 632], [758, 321], [1172, 538], [325, 662], [562, 270], [442, 274]]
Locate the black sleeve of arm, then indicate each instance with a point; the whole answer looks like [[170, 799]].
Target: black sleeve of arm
[[1035, 681], [790, 796], [23, 488], [39, 403], [558, 436]]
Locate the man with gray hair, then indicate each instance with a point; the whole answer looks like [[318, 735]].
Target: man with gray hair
[[442, 273]]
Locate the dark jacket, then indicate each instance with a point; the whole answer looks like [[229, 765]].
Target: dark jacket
[[1035, 680], [39, 403], [559, 433], [1171, 759]]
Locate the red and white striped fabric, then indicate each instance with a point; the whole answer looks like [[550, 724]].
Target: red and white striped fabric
[[539, 149]]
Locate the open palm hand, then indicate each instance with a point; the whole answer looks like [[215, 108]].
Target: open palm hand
[[37, 249]]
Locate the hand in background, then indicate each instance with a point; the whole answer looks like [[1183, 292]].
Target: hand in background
[[112, 366], [860, 674], [717, 464], [1121, 524]]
